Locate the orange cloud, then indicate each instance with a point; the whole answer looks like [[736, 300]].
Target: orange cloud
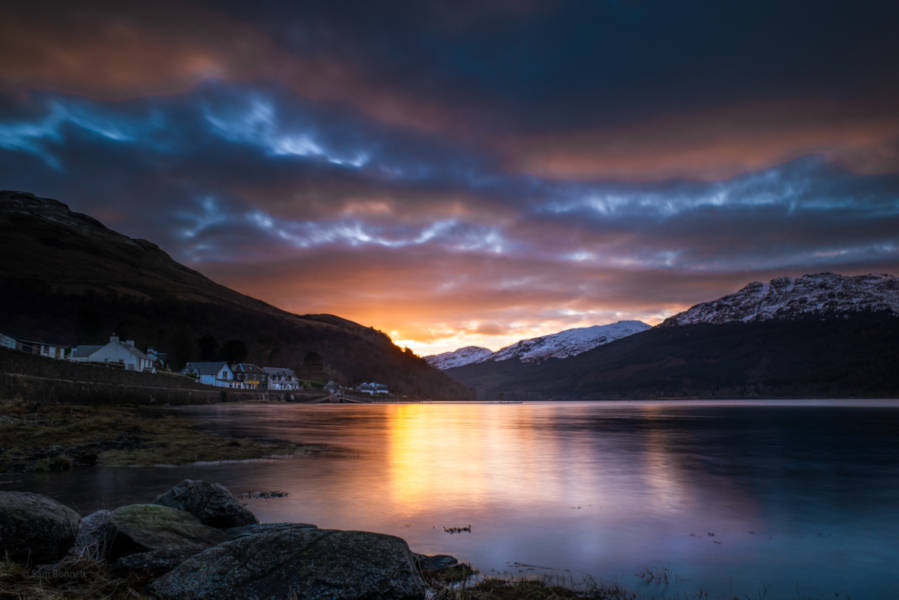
[[716, 143]]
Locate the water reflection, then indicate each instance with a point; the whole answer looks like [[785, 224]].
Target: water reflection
[[802, 498]]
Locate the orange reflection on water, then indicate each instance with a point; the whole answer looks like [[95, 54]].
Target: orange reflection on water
[[470, 455]]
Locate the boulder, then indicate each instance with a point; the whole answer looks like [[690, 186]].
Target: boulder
[[298, 562], [149, 527], [35, 528], [236, 532], [94, 537], [435, 562], [155, 562], [212, 503]]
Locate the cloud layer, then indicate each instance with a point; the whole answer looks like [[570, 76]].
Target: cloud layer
[[460, 174]]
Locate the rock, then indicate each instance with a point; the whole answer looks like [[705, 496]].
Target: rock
[[94, 537], [35, 528], [435, 562], [212, 503], [155, 562], [236, 532], [301, 563], [149, 527]]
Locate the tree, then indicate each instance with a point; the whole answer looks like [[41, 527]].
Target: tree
[[234, 351]]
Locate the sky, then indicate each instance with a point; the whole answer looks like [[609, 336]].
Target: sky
[[468, 173]]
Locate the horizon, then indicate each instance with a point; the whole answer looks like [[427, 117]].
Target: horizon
[[463, 175]]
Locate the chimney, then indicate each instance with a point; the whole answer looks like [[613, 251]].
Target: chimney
[[113, 338]]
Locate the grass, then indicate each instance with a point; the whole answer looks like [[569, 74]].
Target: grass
[[72, 580], [39, 437]]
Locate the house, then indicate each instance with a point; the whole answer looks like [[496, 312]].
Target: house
[[280, 378], [373, 389], [7, 341], [217, 373], [32, 347], [115, 352], [248, 376]]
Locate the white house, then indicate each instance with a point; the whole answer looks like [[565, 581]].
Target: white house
[[116, 352], [372, 389], [280, 378], [216, 373], [7, 342]]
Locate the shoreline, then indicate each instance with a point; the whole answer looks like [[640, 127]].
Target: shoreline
[[197, 540], [49, 437]]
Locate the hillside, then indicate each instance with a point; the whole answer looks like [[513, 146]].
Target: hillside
[[562, 344], [819, 295], [67, 279], [814, 336]]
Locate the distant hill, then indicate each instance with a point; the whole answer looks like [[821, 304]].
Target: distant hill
[[821, 295], [841, 341], [563, 344], [67, 279], [459, 358]]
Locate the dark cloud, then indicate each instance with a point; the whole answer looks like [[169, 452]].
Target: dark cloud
[[467, 172]]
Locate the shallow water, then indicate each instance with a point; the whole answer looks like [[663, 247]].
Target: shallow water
[[762, 500]]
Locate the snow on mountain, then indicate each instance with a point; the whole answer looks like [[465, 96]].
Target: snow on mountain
[[570, 342], [459, 358], [822, 294]]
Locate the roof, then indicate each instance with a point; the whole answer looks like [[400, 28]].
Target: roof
[[245, 368], [83, 351], [205, 368], [279, 371]]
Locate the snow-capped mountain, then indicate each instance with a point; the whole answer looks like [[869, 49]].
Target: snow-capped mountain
[[822, 294], [459, 358], [570, 342]]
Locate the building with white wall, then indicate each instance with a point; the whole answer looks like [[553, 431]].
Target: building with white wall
[[114, 352], [280, 378], [216, 373]]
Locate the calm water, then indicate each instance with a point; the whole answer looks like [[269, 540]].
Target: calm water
[[765, 500]]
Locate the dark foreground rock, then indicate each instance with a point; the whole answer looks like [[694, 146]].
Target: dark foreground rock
[[35, 528], [236, 532], [150, 527], [212, 503], [298, 562], [94, 537], [435, 562], [154, 563]]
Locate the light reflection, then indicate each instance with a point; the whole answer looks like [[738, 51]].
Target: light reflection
[[607, 489]]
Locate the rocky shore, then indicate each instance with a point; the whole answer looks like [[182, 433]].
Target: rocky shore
[[47, 437], [197, 541]]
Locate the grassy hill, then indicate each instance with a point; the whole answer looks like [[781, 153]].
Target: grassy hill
[[66, 278], [850, 356]]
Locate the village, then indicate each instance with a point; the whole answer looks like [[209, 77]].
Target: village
[[125, 354]]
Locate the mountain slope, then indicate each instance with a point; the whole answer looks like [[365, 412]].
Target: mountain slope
[[65, 278], [570, 342], [563, 344], [459, 358], [821, 295], [750, 344]]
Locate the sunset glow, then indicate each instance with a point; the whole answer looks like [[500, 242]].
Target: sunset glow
[[484, 173]]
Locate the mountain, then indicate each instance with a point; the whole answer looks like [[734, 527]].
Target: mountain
[[459, 358], [67, 279], [570, 342], [846, 346], [563, 344], [822, 295]]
